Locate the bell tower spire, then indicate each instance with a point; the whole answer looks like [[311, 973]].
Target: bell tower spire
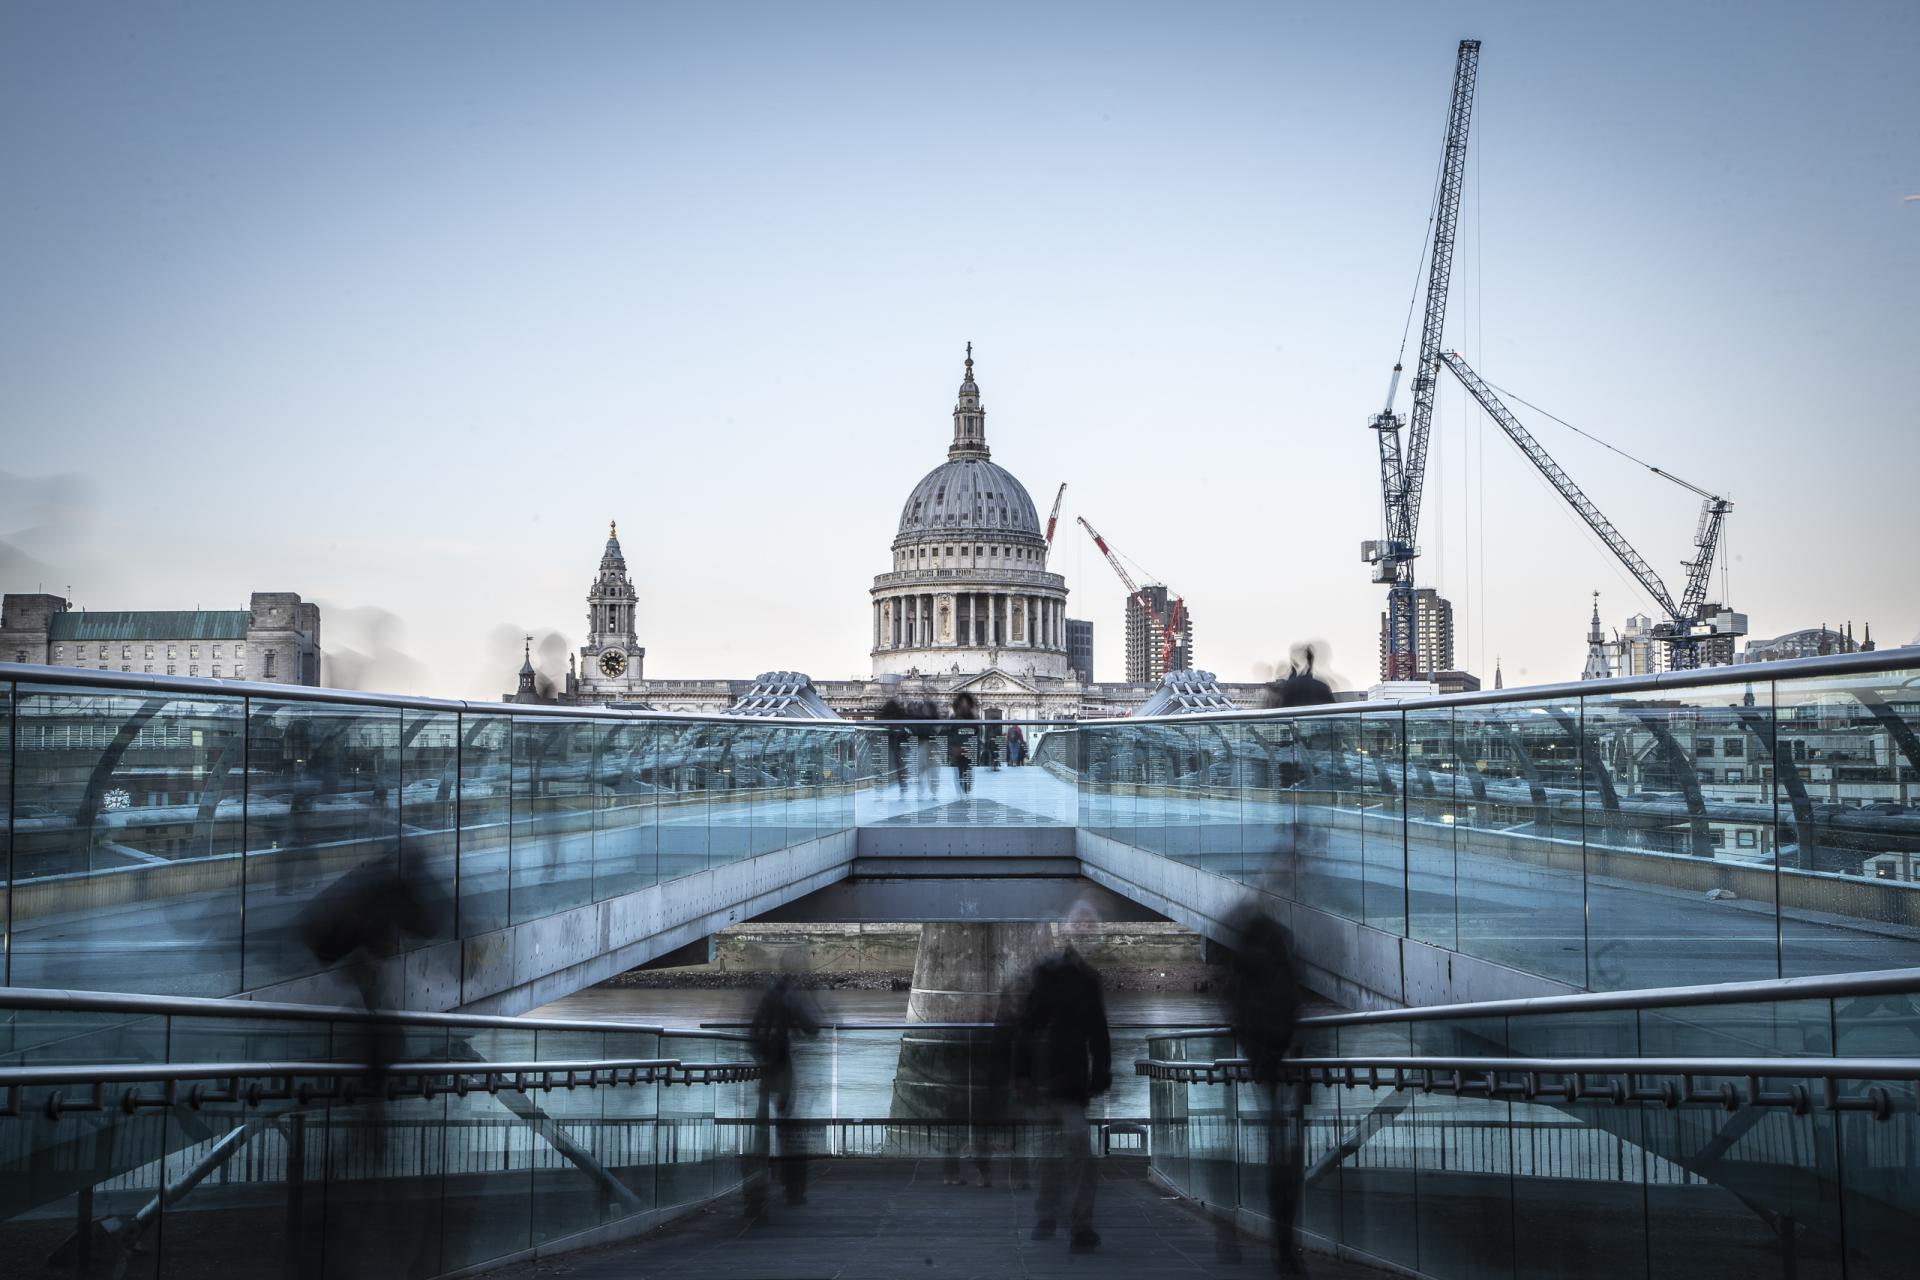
[[969, 418]]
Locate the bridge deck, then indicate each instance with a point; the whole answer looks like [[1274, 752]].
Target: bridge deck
[[891, 1218]]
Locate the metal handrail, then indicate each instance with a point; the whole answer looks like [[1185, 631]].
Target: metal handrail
[[352, 1081], [1881, 660], [1570, 1079], [1765, 990], [60, 1000]]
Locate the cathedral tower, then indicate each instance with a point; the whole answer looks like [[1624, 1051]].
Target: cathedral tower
[[611, 660]]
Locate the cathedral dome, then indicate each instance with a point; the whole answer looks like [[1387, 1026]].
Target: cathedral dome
[[969, 495]]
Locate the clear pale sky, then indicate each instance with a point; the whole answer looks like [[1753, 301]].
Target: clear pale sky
[[396, 306]]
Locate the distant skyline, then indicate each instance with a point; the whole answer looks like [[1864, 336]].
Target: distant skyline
[[397, 307]]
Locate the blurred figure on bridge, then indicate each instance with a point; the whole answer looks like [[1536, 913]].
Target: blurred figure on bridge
[[1071, 1059], [784, 1010], [892, 711], [372, 913], [1262, 991], [962, 737], [1301, 687], [1016, 746], [927, 742]]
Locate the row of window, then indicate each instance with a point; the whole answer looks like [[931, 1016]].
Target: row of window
[[981, 551], [193, 669], [126, 652]]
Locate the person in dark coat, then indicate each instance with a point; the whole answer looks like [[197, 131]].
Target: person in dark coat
[[1071, 1060], [1262, 991], [893, 712], [783, 1011]]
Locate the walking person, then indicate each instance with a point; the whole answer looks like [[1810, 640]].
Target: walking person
[[1065, 1031], [893, 712], [1262, 990], [966, 715], [783, 1011], [1016, 746]]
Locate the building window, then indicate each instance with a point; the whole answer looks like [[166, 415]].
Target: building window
[[169, 668], [126, 666], [126, 651], [171, 654], [1736, 775], [193, 651], [1717, 839], [1733, 748], [268, 672], [103, 651], [1703, 748], [1744, 839], [216, 671], [193, 669], [149, 651], [239, 673], [148, 668], [216, 651], [59, 652], [239, 651]]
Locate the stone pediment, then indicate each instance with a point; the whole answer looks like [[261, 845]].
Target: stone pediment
[[996, 682]]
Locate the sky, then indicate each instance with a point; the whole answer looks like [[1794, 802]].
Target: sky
[[397, 306]]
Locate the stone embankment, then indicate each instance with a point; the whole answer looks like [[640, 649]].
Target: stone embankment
[[879, 957]]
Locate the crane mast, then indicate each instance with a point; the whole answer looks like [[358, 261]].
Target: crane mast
[[1165, 628], [1402, 474]]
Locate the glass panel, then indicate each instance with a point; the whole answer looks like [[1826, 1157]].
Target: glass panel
[[1846, 788], [684, 763], [321, 806], [1522, 896], [1679, 823], [730, 801], [1271, 773], [1328, 824], [486, 821], [1579, 1169], [625, 839], [6, 819], [126, 835], [1432, 814], [553, 763], [1880, 1201], [385, 1164], [429, 805], [572, 1192], [1381, 770], [1741, 1186], [624, 1146], [489, 1157], [1378, 1204], [1463, 1158]]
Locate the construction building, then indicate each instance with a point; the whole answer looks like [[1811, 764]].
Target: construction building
[[1144, 652], [1433, 635]]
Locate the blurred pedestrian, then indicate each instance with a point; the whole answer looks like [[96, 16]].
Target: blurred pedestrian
[[892, 712], [926, 743], [1065, 1027], [1262, 990], [961, 738], [1300, 688], [784, 1010], [1016, 746]]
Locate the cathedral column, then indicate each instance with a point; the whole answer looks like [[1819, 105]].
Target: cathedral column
[[993, 609]]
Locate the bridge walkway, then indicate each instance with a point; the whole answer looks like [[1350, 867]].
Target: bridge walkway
[[891, 1218]]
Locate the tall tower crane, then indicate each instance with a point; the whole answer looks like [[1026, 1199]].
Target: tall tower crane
[[1053, 517], [1683, 631], [1167, 629], [1401, 475]]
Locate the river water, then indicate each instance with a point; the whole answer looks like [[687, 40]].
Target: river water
[[848, 1070]]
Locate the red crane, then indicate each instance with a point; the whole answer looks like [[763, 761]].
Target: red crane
[[1168, 628], [1053, 517]]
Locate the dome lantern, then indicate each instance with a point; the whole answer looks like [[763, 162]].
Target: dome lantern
[[969, 419]]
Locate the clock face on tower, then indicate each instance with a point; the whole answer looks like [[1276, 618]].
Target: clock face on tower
[[613, 662]]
